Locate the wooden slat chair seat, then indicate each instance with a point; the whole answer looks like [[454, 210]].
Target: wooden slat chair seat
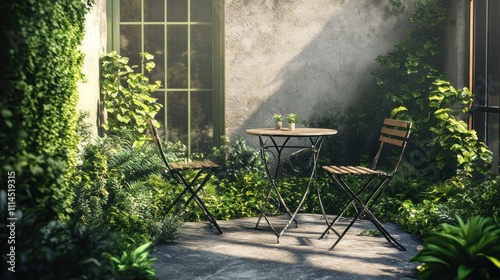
[[352, 170], [203, 171], [205, 164], [394, 134]]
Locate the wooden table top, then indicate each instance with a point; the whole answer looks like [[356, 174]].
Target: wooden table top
[[298, 132]]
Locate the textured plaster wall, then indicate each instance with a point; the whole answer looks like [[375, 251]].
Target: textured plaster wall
[[457, 44], [93, 45], [302, 56]]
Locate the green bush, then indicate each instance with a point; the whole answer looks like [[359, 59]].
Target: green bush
[[237, 189], [127, 95], [439, 202], [56, 250], [468, 251], [121, 189]]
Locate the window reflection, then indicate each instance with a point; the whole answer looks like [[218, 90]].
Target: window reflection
[[177, 10], [177, 116], [154, 10], [201, 121], [154, 43], [130, 43], [130, 10], [177, 56], [201, 10], [201, 56]]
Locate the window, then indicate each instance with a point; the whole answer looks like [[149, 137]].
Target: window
[[486, 73], [185, 38]]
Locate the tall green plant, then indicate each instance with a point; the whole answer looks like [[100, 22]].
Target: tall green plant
[[453, 137], [127, 94]]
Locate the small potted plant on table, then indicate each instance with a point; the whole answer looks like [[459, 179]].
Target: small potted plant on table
[[278, 118], [292, 119]]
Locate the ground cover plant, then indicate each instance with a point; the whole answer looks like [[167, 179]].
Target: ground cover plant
[[470, 250]]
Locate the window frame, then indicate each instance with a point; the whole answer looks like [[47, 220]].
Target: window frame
[[218, 106], [484, 114]]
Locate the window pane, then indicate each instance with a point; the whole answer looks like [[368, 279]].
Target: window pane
[[201, 56], [130, 43], [201, 10], [480, 54], [154, 43], [154, 10], [177, 114], [130, 10], [177, 10], [201, 121], [493, 138], [177, 56], [494, 54]]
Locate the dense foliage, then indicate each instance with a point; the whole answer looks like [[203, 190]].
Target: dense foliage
[[470, 250], [414, 80], [127, 94], [120, 189], [39, 98], [41, 62]]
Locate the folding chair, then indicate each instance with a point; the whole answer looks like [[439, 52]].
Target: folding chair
[[177, 171], [394, 135]]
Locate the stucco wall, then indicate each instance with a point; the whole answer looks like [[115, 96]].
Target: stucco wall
[[93, 45], [301, 56], [457, 44]]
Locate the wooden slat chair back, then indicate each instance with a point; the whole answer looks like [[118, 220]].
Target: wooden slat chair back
[[203, 170], [394, 134]]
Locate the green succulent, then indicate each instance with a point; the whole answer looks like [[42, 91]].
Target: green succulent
[[292, 118], [470, 250]]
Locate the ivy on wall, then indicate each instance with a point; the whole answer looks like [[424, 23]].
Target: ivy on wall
[[414, 80], [41, 64]]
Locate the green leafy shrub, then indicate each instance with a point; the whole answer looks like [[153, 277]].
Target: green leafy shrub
[[474, 198], [127, 95], [135, 264], [238, 187], [121, 189], [58, 250], [468, 251]]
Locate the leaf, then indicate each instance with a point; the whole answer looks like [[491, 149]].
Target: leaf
[[122, 118], [395, 111], [464, 271]]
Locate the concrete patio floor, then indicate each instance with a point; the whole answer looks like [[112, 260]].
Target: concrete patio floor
[[244, 252]]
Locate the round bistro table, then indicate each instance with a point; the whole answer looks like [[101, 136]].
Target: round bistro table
[[272, 144]]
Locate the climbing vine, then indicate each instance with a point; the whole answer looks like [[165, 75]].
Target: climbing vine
[[127, 94], [414, 80]]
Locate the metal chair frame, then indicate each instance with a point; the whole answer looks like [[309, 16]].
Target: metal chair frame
[[394, 133], [176, 170]]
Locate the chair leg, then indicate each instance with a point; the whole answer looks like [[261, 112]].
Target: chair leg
[[194, 195], [354, 198], [348, 204]]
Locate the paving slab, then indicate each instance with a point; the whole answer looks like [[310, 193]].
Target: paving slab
[[244, 252]]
